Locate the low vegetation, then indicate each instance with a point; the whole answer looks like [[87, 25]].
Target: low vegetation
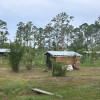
[[15, 55], [90, 61], [80, 84], [58, 69]]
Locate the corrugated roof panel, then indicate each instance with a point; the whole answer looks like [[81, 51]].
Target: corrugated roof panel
[[91, 51], [63, 53], [4, 50]]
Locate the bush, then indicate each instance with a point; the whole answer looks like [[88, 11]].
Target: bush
[[4, 62], [39, 59], [57, 69], [28, 57], [45, 69], [15, 55], [90, 61], [27, 60]]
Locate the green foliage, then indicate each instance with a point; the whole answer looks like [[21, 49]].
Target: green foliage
[[62, 29], [28, 57], [45, 69], [15, 55], [20, 32], [57, 69], [3, 34], [13, 88], [74, 59], [90, 61], [27, 60], [33, 58], [39, 59], [78, 85], [4, 61], [57, 35], [42, 97]]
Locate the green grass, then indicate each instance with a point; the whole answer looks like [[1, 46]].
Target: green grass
[[13, 90], [83, 84], [42, 97]]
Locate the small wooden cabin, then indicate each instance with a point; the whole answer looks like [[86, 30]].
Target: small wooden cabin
[[68, 57]]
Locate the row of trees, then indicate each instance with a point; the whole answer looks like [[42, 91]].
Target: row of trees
[[3, 34], [59, 34]]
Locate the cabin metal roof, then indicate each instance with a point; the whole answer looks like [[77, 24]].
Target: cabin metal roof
[[91, 52], [63, 53], [4, 50]]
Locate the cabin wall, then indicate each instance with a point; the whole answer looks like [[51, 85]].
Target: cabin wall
[[68, 60]]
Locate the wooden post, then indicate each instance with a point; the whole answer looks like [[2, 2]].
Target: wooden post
[[44, 92]]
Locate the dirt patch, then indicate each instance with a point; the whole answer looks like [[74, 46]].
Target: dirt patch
[[84, 75]]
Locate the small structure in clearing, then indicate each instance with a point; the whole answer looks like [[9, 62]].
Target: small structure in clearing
[[68, 57], [3, 51]]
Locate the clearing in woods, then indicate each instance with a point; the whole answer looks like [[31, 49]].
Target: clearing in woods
[[83, 84]]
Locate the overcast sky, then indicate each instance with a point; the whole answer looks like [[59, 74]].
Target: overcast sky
[[41, 12]]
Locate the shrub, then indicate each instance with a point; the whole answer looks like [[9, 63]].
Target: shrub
[[39, 59], [27, 60], [28, 57], [90, 61], [15, 55], [57, 69], [45, 69]]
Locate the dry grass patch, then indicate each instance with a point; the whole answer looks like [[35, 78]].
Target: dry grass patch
[[79, 76], [77, 82]]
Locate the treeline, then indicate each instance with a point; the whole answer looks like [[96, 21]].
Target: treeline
[[59, 34]]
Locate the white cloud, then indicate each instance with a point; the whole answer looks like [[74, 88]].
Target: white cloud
[[84, 2], [23, 6], [42, 11], [36, 8], [21, 3]]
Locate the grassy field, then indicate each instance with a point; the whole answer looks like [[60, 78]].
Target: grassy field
[[83, 84]]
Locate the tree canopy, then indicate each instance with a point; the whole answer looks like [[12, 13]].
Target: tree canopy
[[58, 34]]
